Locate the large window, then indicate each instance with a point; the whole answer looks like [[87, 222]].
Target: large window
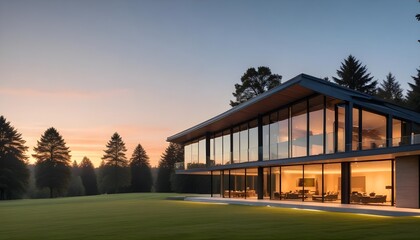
[[299, 129], [237, 183], [243, 138], [312, 182], [373, 130], [194, 153], [291, 186], [329, 126], [400, 134], [202, 152], [253, 141], [236, 145], [211, 162], [283, 138], [332, 182], [274, 135], [187, 155], [355, 130], [371, 182], [275, 183], [341, 126], [316, 125], [218, 149], [226, 147], [266, 138]]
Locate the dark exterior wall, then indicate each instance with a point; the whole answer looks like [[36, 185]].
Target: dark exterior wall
[[407, 181]]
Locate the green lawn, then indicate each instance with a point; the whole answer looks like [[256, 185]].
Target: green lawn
[[150, 216]]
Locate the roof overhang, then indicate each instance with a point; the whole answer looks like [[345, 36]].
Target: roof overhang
[[291, 91]]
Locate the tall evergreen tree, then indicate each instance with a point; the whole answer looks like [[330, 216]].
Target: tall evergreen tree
[[354, 76], [390, 90], [413, 94], [88, 176], [254, 82], [52, 168], [141, 175], [14, 173], [173, 153], [115, 173]]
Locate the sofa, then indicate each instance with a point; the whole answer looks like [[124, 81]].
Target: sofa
[[363, 198]]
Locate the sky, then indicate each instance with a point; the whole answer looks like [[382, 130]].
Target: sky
[[150, 69]]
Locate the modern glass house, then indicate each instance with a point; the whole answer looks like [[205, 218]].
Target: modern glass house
[[309, 140]]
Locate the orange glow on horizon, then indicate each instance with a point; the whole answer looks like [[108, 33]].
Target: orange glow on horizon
[[92, 142]]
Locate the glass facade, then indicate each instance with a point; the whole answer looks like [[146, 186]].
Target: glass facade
[[274, 135], [253, 141], [299, 129], [332, 182], [312, 126], [316, 125], [243, 143], [355, 130], [283, 138], [373, 130], [236, 145], [341, 126], [312, 182], [266, 137], [291, 186], [226, 147], [371, 182], [330, 126]]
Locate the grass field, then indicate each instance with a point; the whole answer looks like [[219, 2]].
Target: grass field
[[150, 216]]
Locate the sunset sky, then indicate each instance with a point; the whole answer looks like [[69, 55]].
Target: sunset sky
[[149, 69]]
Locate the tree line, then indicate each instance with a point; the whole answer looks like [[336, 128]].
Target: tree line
[[351, 74], [54, 175]]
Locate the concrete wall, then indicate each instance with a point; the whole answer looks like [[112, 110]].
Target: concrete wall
[[407, 181]]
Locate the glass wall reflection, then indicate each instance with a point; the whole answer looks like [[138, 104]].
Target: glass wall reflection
[[299, 129], [373, 130], [316, 125]]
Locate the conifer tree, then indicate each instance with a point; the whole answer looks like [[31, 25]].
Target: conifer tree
[[413, 94], [115, 174], [390, 90], [88, 176], [173, 153], [253, 83], [52, 168], [354, 76], [14, 174], [141, 175]]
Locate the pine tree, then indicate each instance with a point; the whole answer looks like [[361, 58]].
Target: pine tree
[[354, 76], [390, 90], [52, 168], [413, 94], [173, 153], [254, 82], [14, 174], [88, 176], [115, 174], [141, 175]]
